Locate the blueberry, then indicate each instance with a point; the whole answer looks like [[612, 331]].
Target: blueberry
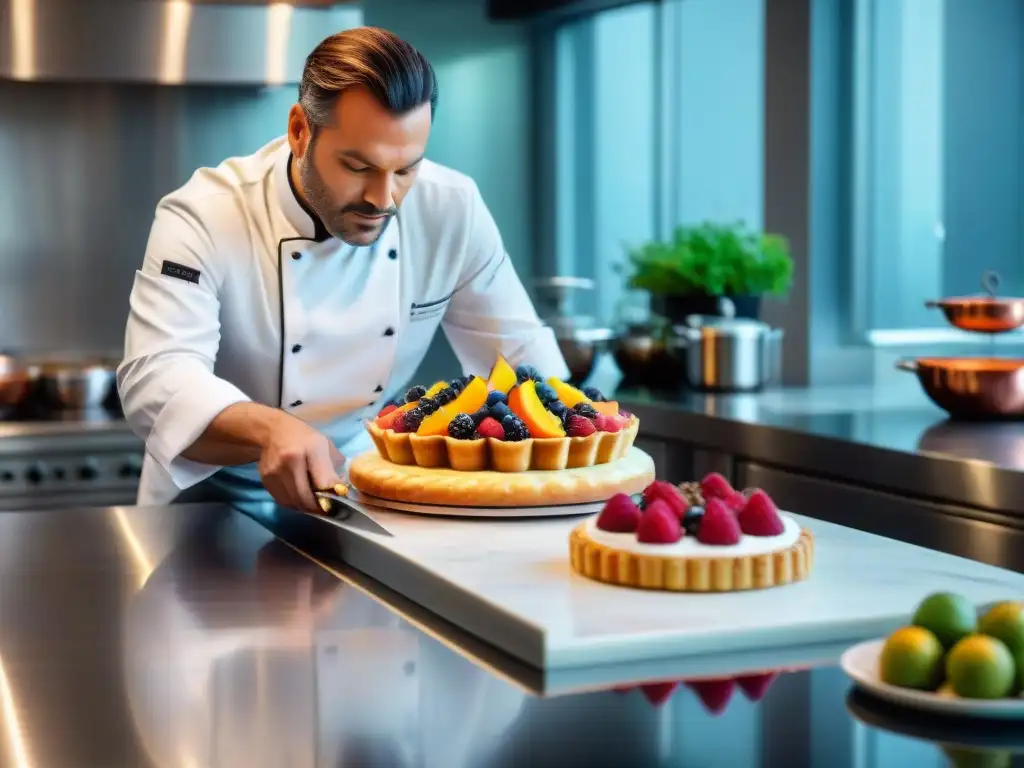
[[462, 427], [413, 418], [480, 415], [692, 520], [594, 394], [557, 407], [515, 429], [428, 405], [585, 409], [546, 394], [495, 397], [415, 393], [525, 373], [500, 411], [457, 385]]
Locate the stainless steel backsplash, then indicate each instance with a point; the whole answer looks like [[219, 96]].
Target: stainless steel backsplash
[[81, 169]]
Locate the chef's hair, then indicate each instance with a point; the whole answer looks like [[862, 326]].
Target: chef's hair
[[394, 71]]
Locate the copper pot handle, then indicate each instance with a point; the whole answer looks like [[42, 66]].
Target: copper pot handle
[[903, 364], [990, 282]]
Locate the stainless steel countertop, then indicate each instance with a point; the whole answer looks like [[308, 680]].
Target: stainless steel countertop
[[188, 636], [883, 438]]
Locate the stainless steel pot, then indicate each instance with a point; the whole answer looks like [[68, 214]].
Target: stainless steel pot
[[730, 354], [77, 385], [578, 338]]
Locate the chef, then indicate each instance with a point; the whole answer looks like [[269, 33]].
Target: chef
[[286, 296]]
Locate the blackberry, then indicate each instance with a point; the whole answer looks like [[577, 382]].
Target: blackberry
[[558, 408], [585, 409], [415, 393], [413, 418], [428, 405], [445, 396], [546, 394], [514, 428], [692, 520], [500, 411], [495, 397], [462, 427], [525, 373], [480, 415], [594, 394]]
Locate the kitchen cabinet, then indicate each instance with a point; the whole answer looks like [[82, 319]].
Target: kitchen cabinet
[[966, 532]]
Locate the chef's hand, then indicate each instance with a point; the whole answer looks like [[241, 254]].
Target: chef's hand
[[297, 460]]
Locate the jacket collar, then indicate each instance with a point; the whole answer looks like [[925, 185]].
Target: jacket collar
[[306, 223]]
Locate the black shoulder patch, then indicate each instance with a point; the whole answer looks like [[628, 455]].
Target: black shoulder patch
[[180, 271]]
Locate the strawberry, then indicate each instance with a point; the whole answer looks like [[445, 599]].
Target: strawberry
[[620, 515], [715, 486], [491, 428], [387, 409], [605, 423], [718, 526], [579, 426], [668, 493], [756, 686], [659, 524], [713, 694], [658, 693], [759, 517]]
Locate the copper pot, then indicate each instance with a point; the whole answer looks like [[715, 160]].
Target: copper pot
[[971, 387], [983, 314]]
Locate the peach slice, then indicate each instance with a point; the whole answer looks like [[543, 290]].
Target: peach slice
[[502, 377], [470, 400], [567, 393], [524, 403], [610, 408]]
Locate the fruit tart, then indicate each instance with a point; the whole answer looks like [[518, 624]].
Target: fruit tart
[[692, 538], [549, 443]]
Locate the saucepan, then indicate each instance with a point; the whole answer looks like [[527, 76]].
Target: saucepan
[[983, 314], [971, 387]]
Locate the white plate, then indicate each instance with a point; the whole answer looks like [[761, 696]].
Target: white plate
[[438, 509], [860, 663]]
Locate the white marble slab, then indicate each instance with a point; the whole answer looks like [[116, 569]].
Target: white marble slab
[[510, 583]]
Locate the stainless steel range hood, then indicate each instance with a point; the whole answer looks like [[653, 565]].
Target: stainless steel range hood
[[244, 42]]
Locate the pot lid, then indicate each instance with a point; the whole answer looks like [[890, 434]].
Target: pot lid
[[725, 326]]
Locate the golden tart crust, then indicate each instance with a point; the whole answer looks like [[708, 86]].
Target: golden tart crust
[[540, 454], [372, 474], [690, 574]]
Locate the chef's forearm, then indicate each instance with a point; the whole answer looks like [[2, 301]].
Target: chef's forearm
[[237, 435]]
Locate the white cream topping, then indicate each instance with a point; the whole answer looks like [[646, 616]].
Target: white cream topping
[[688, 546]]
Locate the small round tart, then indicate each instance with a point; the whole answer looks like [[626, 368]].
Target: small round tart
[[756, 562], [374, 475]]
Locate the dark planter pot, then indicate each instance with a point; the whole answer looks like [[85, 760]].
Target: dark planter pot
[[676, 308]]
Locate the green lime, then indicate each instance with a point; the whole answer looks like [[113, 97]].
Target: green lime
[[949, 617], [1005, 621], [965, 757], [981, 667], [911, 658]]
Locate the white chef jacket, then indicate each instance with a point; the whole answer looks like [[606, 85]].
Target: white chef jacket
[[243, 296]]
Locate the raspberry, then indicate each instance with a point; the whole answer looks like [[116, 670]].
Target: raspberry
[[620, 515], [756, 686], [585, 409], [400, 424], [387, 409], [713, 694], [515, 429], [735, 501], [759, 517], [579, 426], [659, 524], [719, 526], [594, 394], [607, 423], [462, 427], [668, 493], [658, 693], [480, 415], [491, 428], [715, 486], [414, 394]]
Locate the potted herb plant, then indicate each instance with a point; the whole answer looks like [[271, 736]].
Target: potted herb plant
[[700, 265]]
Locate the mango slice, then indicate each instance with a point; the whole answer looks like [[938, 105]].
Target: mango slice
[[524, 403], [470, 400], [502, 377], [567, 393]]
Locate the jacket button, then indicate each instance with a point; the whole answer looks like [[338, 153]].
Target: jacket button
[[296, 348], [378, 388], [296, 404], [296, 255], [392, 254], [389, 332]]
